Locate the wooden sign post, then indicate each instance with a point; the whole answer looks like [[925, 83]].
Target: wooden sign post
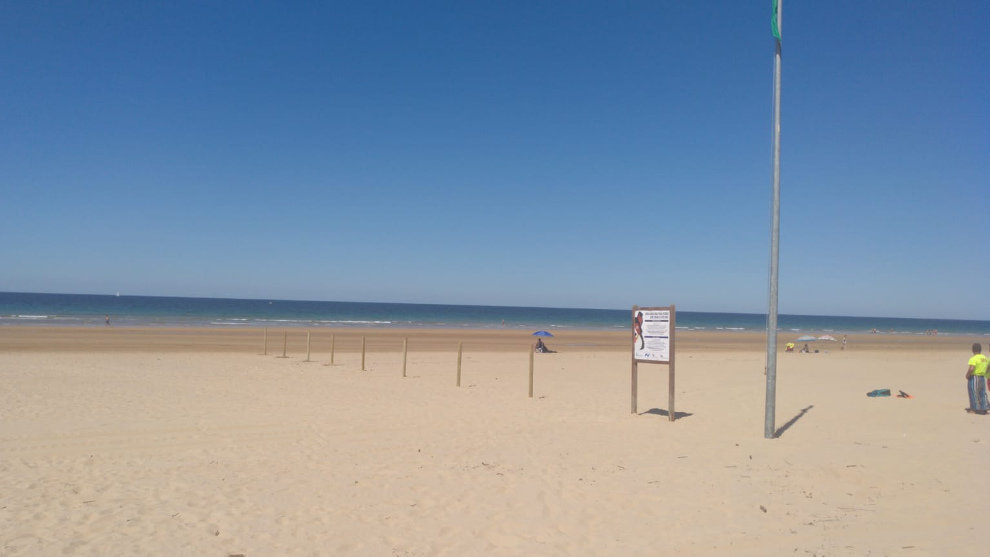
[[460, 350], [285, 342], [653, 342], [532, 350]]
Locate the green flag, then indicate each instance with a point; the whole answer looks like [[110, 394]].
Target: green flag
[[774, 25]]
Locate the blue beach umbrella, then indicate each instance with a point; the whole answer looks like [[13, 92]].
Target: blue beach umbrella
[[542, 334], [805, 338]]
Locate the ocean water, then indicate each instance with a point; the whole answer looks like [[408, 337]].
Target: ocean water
[[153, 311]]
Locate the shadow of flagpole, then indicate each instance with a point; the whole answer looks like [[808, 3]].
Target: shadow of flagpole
[[792, 421]]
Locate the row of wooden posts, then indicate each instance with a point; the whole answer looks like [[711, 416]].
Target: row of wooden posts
[[405, 352]]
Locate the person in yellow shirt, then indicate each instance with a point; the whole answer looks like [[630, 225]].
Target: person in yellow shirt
[[976, 378]]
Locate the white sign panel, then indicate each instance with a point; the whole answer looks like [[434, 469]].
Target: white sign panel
[[651, 335]]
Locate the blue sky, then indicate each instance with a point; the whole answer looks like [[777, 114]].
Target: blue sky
[[572, 154]]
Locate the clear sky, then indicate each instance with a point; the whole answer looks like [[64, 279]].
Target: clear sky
[[567, 154]]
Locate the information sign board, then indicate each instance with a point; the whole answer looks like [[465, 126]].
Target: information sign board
[[651, 335], [653, 342]]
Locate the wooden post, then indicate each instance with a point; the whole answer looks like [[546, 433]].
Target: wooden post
[[460, 347], [405, 351], [532, 349], [332, 342], [635, 369], [362, 352], [670, 393], [309, 339], [266, 341], [670, 367], [285, 340], [635, 382]]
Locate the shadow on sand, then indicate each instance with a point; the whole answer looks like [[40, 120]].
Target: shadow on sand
[[666, 414], [780, 431]]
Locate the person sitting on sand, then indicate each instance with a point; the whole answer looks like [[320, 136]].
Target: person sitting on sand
[[976, 378], [805, 349], [789, 347], [542, 348]]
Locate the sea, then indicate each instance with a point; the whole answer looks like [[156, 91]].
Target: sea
[[90, 310]]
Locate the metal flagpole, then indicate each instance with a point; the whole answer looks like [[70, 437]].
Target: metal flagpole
[[769, 430]]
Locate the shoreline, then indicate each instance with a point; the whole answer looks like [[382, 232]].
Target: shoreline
[[123, 322], [348, 339], [71, 310]]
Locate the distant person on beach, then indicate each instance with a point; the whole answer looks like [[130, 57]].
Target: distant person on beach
[[843, 342], [805, 349], [542, 348], [108, 320], [976, 380]]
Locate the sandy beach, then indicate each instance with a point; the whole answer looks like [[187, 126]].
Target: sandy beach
[[194, 442]]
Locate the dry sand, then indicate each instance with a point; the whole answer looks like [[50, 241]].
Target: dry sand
[[190, 442]]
